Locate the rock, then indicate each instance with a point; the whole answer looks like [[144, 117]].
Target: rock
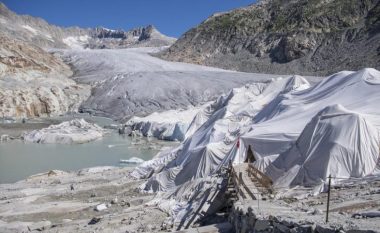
[[94, 220], [287, 223], [115, 201], [40, 226], [4, 138], [262, 225], [285, 37], [66, 220], [367, 214], [127, 130], [280, 227], [125, 203], [150, 227], [21, 92], [305, 228], [100, 207], [321, 229], [316, 212]]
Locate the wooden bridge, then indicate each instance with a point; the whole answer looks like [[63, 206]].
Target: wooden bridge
[[247, 182]]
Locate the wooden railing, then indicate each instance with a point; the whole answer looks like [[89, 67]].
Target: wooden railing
[[263, 179], [237, 179]]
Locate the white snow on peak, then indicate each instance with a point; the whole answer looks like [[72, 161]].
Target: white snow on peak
[[76, 42], [29, 28]]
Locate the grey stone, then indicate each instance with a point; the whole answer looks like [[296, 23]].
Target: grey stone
[[262, 225], [322, 229], [94, 220], [280, 227]]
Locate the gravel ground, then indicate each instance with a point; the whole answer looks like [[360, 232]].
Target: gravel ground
[[58, 201]]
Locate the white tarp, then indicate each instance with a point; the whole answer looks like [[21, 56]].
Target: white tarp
[[280, 123], [335, 142], [204, 152], [269, 119]]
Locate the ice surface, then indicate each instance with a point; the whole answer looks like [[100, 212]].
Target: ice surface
[[68, 132], [132, 160], [168, 125], [130, 82]]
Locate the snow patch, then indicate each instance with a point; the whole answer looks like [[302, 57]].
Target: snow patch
[[76, 42], [29, 28]]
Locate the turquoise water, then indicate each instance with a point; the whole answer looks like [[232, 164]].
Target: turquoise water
[[19, 160]]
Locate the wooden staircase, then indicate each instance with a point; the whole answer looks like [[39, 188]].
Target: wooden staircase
[[247, 182]]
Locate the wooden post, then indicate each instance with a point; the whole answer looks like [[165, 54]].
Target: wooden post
[[240, 178], [328, 200]]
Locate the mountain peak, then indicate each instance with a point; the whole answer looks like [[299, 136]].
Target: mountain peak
[[41, 33], [4, 10]]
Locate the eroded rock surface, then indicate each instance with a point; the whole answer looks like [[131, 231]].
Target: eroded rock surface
[[34, 83]]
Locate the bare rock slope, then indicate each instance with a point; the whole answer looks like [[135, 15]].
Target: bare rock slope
[[317, 37], [35, 83]]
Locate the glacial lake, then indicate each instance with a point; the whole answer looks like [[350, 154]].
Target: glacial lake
[[18, 160]]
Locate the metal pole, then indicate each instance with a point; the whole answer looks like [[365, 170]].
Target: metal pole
[[328, 200]]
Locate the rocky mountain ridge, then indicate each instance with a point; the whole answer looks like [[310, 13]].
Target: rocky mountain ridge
[[316, 37], [41, 33]]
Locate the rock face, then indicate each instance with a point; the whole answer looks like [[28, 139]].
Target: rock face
[[42, 34], [75, 131], [281, 36], [35, 83]]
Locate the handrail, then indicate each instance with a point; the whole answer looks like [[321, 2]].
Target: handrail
[[263, 179], [239, 183]]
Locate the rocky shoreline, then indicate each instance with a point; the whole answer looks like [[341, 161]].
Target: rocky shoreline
[[102, 199]]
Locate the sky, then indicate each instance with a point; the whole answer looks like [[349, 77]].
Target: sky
[[171, 17]]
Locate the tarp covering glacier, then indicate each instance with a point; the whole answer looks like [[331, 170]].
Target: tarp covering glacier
[[280, 123], [335, 142], [202, 153], [268, 118]]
